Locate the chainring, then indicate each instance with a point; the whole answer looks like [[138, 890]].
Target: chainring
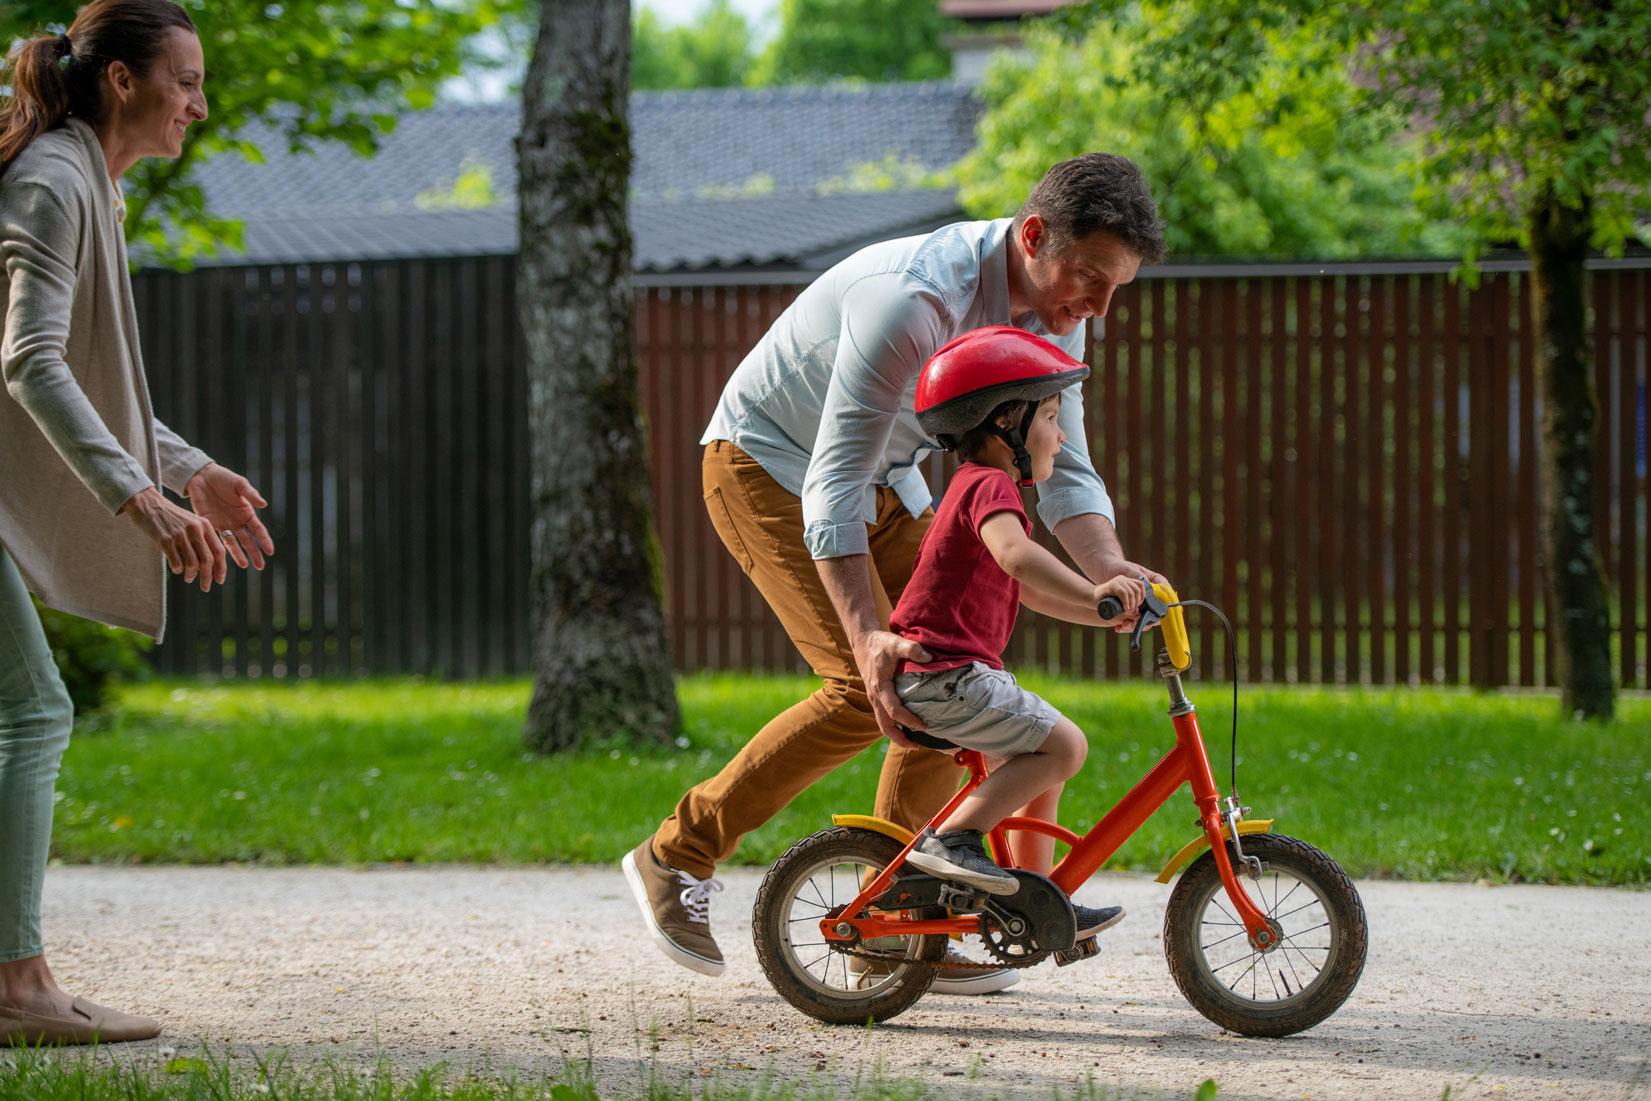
[[1025, 928]]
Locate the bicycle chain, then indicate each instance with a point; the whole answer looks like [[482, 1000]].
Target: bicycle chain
[[998, 964]]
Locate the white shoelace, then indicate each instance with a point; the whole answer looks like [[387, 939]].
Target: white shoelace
[[696, 896]]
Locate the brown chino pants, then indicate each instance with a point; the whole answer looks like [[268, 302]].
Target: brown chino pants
[[761, 524]]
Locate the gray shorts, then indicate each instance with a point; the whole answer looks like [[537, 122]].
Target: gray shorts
[[978, 707]]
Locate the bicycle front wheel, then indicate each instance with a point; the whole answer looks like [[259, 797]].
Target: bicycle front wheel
[[1320, 952]]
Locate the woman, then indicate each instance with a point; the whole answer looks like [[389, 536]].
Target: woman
[[81, 455]]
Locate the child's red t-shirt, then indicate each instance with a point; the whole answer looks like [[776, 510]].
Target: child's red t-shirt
[[959, 604]]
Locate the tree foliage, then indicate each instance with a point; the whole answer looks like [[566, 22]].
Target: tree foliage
[[1511, 99], [713, 51], [1534, 129], [314, 70], [875, 40], [1285, 166]]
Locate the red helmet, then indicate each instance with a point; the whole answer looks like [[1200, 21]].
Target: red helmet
[[963, 382]]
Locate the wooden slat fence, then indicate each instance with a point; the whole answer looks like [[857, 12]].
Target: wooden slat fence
[[1343, 457]]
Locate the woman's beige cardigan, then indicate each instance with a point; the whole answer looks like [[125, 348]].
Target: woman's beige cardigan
[[77, 436]]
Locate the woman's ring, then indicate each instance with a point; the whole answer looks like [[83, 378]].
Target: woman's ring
[[226, 535]]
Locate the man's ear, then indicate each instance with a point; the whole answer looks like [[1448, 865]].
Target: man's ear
[[1033, 234]]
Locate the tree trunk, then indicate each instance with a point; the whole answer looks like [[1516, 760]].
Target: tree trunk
[[602, 663], [1559, 301]]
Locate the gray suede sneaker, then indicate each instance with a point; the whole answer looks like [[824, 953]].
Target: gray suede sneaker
[[676, 907], [959, 856]]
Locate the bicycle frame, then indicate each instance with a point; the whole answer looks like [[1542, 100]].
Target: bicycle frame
[[1187, 763]]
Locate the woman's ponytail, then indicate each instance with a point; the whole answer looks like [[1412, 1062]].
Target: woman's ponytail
[[38, 72]]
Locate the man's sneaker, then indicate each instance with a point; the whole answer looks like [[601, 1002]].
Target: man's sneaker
[[676, 907], [959, 856], [867, 972], [1092, 921]]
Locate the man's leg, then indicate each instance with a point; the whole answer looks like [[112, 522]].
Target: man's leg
[[760, 523], [915, 783]]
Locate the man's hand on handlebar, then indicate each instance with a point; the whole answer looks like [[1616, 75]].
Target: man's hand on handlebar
[[877, 653]]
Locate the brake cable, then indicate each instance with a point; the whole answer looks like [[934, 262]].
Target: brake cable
[[1232, 661]]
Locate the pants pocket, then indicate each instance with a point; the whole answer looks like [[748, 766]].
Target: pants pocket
[[723, 521]]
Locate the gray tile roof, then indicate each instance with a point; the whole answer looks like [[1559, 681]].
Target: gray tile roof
[[783, 233], [721, 178]]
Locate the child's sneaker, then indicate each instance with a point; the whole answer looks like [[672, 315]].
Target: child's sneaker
[[1092, 921], [960, 856]]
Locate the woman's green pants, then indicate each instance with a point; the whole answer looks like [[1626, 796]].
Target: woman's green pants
[[35, 719]]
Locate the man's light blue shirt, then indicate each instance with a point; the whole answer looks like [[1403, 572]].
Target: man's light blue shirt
[[824, 402]]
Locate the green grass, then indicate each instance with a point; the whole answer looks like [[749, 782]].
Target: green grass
[[79, 1076], [1412, 783]]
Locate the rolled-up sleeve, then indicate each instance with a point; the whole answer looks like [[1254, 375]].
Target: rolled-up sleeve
[[889, 329], [1074, 489], [39, 239]]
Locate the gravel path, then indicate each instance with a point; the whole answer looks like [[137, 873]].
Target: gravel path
[[1494, 991]]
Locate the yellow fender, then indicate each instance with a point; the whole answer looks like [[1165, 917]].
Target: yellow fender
[[1193, 848], [874, 824]]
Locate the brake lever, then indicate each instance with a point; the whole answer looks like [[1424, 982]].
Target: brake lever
[[1152, 610]]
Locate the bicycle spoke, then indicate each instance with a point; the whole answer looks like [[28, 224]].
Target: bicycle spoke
[[1297, 910], [1223, 940], [1304, 932], [1288, 948], [1224, 910], [1293, 971], [1279, 902], [1249, 956], [1271, 978]]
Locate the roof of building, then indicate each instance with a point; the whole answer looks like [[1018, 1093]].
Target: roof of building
[[720, 179], [999, 9]]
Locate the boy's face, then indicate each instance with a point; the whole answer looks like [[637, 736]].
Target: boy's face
[[1044, 440]]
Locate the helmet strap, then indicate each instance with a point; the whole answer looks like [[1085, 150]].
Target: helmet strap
[[1016, 439]]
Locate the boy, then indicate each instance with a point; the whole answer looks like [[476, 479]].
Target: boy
[[993, 395]]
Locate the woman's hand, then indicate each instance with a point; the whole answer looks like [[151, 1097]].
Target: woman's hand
[[228, 502], [188, 541]]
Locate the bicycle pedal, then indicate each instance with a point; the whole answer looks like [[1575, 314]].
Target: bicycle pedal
[[1082, 950]]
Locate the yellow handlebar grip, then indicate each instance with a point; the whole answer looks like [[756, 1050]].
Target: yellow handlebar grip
[[1174, 629]]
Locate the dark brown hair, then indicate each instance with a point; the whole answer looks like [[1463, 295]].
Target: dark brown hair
[[1097, 192], [972, 444], [53, 76]]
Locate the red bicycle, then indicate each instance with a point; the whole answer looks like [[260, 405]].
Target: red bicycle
[[1264, 934]]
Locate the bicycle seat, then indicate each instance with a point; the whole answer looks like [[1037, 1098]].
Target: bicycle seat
[[927, 740]]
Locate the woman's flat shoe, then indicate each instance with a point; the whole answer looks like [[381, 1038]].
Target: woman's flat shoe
[[85, 1023]]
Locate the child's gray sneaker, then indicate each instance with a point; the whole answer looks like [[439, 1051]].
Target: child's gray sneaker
[[959, 856], [1092, 921]]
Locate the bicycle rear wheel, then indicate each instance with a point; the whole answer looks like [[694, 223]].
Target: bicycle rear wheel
[[819, 875], [1320, 952]]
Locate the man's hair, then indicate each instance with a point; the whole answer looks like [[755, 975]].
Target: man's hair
[[1097, 193], [972, 444]]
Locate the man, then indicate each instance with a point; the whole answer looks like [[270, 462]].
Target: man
[[811, 480]]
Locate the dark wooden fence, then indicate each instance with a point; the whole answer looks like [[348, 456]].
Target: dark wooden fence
[[1343, 457]]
